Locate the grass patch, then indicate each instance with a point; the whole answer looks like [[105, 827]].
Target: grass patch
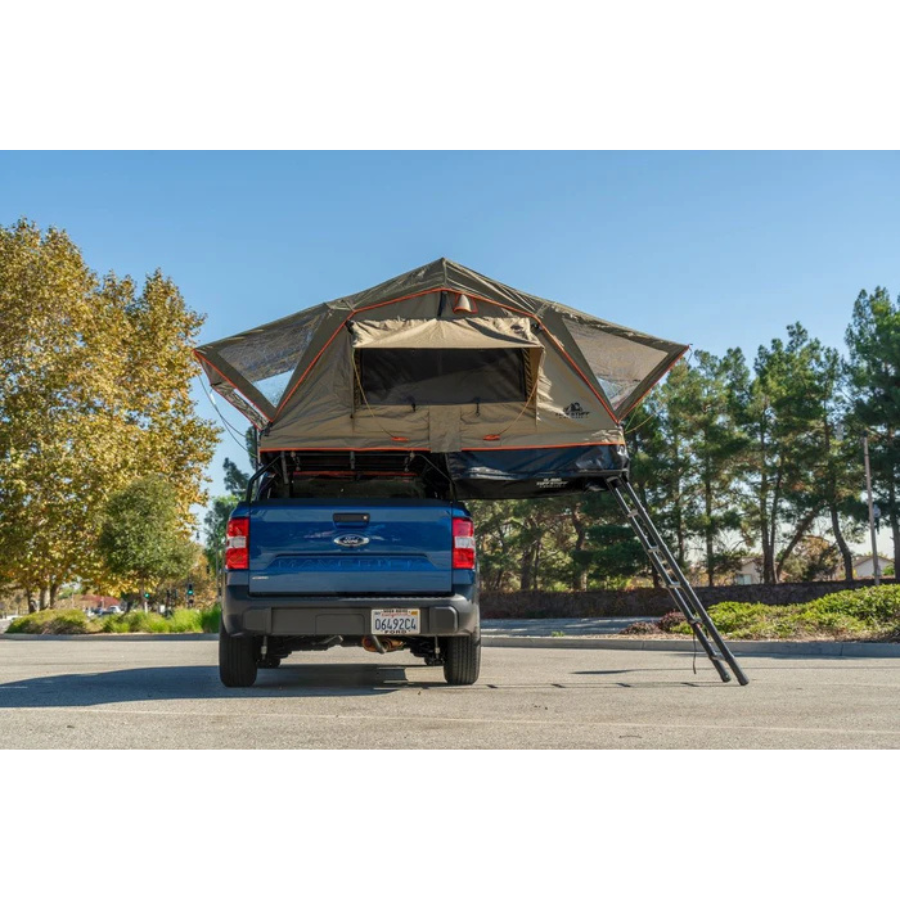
[[74, 621], [868, 614], [185, 621], [210, 619], [135, 621], [51, 621]]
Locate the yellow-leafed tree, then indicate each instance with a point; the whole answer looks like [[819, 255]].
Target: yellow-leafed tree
[[94, 392]]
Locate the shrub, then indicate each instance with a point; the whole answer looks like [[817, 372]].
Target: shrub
[[74, 621], [114, 625], [877, 606], [210, 618], [51, 621], [186, 620], [834, 624], [671, 623], [136, 621], [749, 621], [870, 612], [641, 628]]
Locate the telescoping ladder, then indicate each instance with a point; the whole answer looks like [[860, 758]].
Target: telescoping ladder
[[673, 578]]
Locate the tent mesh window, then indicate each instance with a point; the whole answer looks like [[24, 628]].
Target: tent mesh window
[[268, 356], [619, 363], [442, 377]]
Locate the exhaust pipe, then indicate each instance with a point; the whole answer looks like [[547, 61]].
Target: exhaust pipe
[[375, 644]]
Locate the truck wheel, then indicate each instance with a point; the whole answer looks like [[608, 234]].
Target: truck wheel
[[237, 660], [462, 659]]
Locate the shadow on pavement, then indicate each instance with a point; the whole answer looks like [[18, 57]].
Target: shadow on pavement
[[198, 683]]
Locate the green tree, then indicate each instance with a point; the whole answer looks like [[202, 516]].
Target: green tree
[[94, 387], [498, 556], [215, 523], [838, 470], [873, 339], [783, 411], [611, 554], [540, 539], [663, 467], [142, 538], [703, 445], [814, 559], [235, 480]]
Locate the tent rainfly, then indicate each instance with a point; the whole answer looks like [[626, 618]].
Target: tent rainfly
[[495, 392]]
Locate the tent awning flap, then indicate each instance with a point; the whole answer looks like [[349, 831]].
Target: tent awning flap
[[480, 333], [625, 363], [265, 358]]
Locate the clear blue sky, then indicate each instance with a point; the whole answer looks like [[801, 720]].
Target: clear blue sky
[[712, 249]]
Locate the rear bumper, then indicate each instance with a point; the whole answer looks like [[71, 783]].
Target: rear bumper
[[290, 616]]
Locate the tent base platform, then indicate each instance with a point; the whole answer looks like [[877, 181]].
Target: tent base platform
[[471, 474]]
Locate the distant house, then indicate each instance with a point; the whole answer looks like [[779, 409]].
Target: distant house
[[750, 571], [864, 566]]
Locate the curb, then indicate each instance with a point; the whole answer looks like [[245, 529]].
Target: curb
[[739, 648], [110, 637], [844, 649]]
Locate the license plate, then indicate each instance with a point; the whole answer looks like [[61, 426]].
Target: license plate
[[395, 621]]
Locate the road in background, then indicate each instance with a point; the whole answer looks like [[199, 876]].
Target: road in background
[[120, 693]]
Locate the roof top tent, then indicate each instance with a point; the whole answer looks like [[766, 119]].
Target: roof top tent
[[485, 390], [446, 383]]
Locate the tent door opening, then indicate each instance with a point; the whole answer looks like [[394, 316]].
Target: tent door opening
[[443, 376]]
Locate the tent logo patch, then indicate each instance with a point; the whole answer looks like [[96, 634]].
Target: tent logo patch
[[550, 483], [573, 411]]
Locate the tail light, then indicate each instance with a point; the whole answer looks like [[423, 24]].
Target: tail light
[[463, 544], [237, 553]]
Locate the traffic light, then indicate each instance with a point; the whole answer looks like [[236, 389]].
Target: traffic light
[[146, 595], [190, 589]]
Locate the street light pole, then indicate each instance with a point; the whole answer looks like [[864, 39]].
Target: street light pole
[[877, 567]]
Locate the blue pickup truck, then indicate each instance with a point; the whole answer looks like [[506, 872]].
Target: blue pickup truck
[[385, 573]]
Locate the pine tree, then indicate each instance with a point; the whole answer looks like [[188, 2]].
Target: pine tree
[[873, 339]]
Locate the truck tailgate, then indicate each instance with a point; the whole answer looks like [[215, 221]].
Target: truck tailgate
[[351, 547]]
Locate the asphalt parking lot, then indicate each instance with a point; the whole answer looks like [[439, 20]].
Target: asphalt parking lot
[[120, 692]]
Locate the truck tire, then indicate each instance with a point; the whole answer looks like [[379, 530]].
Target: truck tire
[[462, 659], [237, 660]]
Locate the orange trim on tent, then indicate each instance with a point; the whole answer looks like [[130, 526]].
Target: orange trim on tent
[[344, 449], [428, 449], [247, 399], [523, 312], [549, 446], [337, 331], [668, 369]]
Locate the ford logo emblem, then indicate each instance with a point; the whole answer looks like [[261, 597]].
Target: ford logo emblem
[[351, 540]]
